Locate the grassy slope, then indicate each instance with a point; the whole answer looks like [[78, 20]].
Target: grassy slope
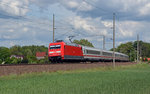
[[131, 80]]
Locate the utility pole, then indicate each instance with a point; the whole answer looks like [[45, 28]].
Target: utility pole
[[103, 42], [53, 27], [137, 48], [114, 40]]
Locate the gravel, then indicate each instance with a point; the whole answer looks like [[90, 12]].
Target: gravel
[[35, 68]]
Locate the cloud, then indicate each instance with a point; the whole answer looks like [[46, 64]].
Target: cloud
[[124, 9], [44, 4], [76, 5], [24, 30], [14, 7], [145, 10], [88, 26], [72, 4]]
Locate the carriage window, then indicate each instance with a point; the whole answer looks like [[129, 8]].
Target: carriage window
[[93, 52], [55, 47], [107, 54]]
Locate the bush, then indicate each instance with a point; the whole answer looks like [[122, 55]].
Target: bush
[[8, 61], [25, 60], [41, 61], [1, 61]]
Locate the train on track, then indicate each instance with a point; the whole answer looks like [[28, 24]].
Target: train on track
[[60, 51]]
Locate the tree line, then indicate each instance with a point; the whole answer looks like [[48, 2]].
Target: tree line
[[130, 48], [28, 53]]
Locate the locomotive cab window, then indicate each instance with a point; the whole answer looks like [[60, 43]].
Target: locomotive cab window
[[55, 47]]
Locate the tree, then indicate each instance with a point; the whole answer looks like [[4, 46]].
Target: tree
[[16, 50], [1, 61], [127, 49], [130, 48], [83, 42], [4, 53]]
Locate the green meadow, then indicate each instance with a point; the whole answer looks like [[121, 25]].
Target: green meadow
[[133, 79]]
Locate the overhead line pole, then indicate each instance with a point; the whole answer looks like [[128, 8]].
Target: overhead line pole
[[103, 42], [53, 28], [137, 48], [114, 40]]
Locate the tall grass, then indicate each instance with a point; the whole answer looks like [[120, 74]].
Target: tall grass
[[121, 80]]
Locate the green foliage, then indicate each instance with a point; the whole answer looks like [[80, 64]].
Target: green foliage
[[25, 60], [28, 52], [83, 42], [130, 48], [41, 61], [4, 53], [12, 60], [16, 50], [8, 60], [32, 59], [1, 61]]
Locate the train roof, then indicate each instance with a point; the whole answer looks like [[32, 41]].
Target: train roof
[[71, 44]]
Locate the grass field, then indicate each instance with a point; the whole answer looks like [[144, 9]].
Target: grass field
[[133, 79]]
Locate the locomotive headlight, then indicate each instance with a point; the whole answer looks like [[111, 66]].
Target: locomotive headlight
[[51, 52], [58, 51]]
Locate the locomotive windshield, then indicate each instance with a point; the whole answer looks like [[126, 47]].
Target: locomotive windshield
[[55, 47]]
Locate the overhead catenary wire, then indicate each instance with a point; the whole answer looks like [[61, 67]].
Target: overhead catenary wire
[[64, 34], [24, 7], [104, 10]]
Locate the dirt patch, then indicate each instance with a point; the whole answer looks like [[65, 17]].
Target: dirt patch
[[21, 69]]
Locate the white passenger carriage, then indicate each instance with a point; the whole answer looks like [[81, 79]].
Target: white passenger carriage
[[93, 54]]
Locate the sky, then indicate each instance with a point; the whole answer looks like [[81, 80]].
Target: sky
[[30, 22]]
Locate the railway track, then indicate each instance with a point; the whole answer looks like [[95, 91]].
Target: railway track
[[33, 68]]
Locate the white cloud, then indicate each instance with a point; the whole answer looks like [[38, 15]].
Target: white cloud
[[72, 4], [25, 29], [14, 7], [84, 7], [124, 33], [89, 25], [18, 30], [11, 30], [77, 5], [145, 10], [107, 24]]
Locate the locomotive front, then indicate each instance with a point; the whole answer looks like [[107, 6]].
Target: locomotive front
[[55, 51]]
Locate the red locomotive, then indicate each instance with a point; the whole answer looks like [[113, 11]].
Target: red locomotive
[[61, 51]]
